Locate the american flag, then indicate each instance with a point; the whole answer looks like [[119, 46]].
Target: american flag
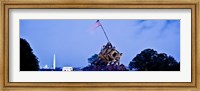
[[97, 24]]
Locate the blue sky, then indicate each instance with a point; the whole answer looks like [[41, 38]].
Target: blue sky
[[74, 41]]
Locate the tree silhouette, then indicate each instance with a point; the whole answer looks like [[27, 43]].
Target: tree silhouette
[[92, 59], [150, 60], [28, 61]]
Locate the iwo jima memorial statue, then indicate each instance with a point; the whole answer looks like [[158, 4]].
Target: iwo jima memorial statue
[[108, 59]]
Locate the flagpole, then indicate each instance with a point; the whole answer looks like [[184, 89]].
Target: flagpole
[[104, 32]]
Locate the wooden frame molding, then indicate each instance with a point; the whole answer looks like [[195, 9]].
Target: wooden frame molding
[[110, 4]]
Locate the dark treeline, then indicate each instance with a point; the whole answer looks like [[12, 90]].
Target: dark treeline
[[28, 61], [150, 60]]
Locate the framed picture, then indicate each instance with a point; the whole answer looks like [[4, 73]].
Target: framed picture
[[109, 45]]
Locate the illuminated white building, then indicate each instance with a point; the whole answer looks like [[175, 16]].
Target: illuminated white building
[[67, 69], [46, 67]]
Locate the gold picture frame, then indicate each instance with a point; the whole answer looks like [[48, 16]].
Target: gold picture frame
[[98, 4]]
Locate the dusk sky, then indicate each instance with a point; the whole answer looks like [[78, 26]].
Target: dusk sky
[[74, 41]]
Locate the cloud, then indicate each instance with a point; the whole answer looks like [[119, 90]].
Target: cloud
[[155, 28]]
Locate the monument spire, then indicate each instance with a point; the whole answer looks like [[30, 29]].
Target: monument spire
[[54, 61]]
